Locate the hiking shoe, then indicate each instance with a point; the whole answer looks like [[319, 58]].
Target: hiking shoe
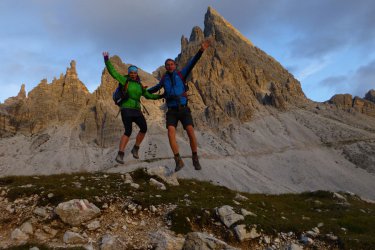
[[135, 152], [179, 163], [196, 163], [120, 158]]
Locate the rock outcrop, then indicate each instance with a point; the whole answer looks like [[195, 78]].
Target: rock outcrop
[[48, 104], [348, 103]]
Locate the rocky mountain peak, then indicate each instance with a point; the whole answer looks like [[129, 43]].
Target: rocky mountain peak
[[216, 25], [234, 79]]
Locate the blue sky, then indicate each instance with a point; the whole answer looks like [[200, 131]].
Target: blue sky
[[328, 45]]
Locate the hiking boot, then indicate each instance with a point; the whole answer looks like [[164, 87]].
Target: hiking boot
[[179, 163], [135, 152], [196, 163], [120, 157]]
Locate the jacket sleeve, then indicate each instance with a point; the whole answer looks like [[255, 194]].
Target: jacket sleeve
[[155, 88], [148, 95], [112, 71], [187, 69]]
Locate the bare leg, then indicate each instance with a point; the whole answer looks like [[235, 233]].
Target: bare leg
[[123, 141], [172, 139], [139, 138], [192, 138]]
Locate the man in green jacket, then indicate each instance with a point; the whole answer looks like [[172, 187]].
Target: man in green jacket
[[131, 107]]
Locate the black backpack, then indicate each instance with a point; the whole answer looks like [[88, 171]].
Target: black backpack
[[121, 94]]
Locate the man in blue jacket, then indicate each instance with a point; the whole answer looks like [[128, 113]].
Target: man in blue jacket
[[175, 89]]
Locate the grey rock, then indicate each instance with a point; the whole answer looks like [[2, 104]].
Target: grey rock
[[42, 212], [157, 184], [134, 185], [73, 238], [93, 225], [243, 234], [109, 242], [162, 173], [162, 240], [240, 197], [76, 211], [27, 228], [244, 212], [18, 235], [228, 216]]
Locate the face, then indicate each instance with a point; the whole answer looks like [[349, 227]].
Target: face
[[133, 75], [170, 66]]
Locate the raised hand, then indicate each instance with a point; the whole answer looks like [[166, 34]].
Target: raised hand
[[105, 55], [205, 44]]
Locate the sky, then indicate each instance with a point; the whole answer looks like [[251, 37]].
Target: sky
[[328, 45]]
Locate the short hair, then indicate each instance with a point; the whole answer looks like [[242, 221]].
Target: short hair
[[169, 59]]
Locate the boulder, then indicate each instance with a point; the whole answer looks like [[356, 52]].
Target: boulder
[[76, 211]]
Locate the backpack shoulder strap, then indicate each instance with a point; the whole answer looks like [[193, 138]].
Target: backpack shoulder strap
[[183, 80], [181, 76], [126, 83]]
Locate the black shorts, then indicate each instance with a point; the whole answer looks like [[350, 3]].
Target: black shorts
[[129, 116], [182, 114]]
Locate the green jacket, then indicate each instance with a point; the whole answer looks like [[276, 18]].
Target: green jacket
[[134, 90]]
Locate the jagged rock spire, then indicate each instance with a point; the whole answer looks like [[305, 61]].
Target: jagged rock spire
[[216, 26], [71, 72], [196, 34], [22, 93]]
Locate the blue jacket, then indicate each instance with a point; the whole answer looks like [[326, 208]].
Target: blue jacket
[[174, 87]]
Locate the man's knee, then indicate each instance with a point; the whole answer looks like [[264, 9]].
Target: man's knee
[[189, 129], [171, 130]]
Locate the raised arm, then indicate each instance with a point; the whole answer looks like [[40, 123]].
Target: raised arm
[[111, 69], [187, 69]]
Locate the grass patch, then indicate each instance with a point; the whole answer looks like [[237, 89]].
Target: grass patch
[[195, 201]]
